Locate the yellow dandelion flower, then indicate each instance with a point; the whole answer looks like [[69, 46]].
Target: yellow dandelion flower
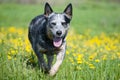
[[80, 58], [20, 42], [79, 61], [80, 55], [91, 57], [12, 29], [67, 52], [9, 57], [107, 48], [28, 49], [91, 66], [20, 31], [9, 53], [13, 52], [97, 60]]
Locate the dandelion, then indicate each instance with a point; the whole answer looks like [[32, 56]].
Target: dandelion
[[9, 53], [97, 60], [13, 52], [92, 56], [9, 57], [67, 52], [12, 29], [20, 31], [20, 42], [28, 48], [79, 61], [80, 58], [91, 66], [107, 48]]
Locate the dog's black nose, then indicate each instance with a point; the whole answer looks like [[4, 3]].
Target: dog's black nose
[[59, 33]]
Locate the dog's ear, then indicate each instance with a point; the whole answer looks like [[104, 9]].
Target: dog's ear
[[47, 10], [68, 10]]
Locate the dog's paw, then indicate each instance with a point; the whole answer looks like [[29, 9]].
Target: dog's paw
[[52, 71]]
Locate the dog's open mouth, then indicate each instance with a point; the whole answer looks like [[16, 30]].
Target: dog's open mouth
[[57, 41]]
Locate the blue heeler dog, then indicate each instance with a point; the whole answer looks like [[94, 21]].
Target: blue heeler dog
[[47, 34]]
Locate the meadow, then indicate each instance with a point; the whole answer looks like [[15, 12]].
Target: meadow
[[93, 43]]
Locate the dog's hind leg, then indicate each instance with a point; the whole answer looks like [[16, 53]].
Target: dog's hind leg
[[59, 59]]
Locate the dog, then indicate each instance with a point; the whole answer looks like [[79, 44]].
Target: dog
[[47, 35]]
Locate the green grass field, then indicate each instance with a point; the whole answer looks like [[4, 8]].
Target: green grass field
[[93, 51]]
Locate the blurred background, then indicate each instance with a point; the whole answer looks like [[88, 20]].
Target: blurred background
[[52, 1], [95, 16]]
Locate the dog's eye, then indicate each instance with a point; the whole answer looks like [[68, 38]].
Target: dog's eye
[[63, 23], [53, 24]]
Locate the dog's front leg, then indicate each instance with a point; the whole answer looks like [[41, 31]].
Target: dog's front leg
[[40, 57], [42, 62], [50, 58], [59, 59]]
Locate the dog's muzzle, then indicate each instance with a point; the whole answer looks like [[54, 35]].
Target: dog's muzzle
[[57, 41], [59, 33]]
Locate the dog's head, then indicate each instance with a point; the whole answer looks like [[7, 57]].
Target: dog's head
[[57, 24]]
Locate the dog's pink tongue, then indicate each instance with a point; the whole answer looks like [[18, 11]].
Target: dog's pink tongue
[[57, 42]]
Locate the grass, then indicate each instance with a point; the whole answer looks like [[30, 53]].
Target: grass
[[96, 16], [87, 57], [93, 51]]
